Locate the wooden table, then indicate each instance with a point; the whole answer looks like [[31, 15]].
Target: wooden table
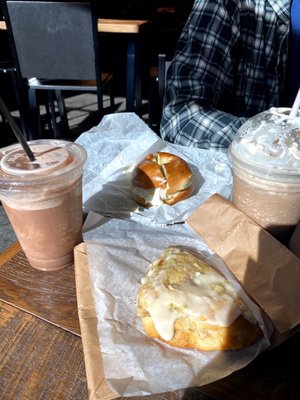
[[41, 355], [132, 29], [40, 345]]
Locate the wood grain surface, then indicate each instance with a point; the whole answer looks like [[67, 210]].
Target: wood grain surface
[[48, 295], [120, 25], [111, 25], [44, 360], [38, 360], [10, 252]]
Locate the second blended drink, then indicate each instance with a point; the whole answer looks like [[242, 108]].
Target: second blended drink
[[43, 200], [265, 158]]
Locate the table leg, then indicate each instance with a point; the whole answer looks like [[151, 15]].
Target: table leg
[[138, 79]]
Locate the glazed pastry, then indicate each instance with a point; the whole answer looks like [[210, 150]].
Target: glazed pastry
[[187, 303]]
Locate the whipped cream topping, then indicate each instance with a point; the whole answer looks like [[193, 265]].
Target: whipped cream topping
[[270, 139], [201, 292]]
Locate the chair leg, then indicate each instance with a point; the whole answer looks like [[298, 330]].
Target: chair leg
[[48, 111], [21, 99], [112, 97], [62, 111], [53, 98], [34, 131], [100, 100], [54, 127], [152, 96]]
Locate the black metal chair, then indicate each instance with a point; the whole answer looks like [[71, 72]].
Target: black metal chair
[[10, 86], [156, 99], [55, 47]]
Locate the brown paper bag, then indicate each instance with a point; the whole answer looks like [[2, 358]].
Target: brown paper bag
[[267, 270], [97, 386]]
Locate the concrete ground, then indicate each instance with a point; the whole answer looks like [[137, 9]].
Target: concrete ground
[[7, 235]]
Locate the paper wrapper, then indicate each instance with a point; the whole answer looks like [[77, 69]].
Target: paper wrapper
[[116, 145], [120, 250], [215, 215], [133, 363], [267, 270], [97, 386]]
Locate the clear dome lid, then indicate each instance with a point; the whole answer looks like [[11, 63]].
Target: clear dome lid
[[269, 141], [56, 161]]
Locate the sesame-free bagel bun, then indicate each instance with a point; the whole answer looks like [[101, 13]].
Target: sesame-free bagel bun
[[161, 178]]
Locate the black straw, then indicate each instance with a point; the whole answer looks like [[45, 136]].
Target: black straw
[[16, 130]]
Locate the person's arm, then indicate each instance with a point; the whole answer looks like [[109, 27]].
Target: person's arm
[[201, 80]]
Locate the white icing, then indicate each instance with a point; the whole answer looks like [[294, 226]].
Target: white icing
[[207, 294]]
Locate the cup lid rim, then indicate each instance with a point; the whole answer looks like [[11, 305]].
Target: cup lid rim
[[32, 179]]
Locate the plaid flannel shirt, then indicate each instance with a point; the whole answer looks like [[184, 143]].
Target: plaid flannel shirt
[[229, 65]]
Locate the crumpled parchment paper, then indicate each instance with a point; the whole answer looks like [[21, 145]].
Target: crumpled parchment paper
[[122, 239], [119, 252], [116, 145]]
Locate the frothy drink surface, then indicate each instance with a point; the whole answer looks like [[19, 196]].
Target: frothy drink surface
[[266, 171], [43, 200]]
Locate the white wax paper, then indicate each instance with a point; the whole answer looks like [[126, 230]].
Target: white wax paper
[[116, 145], [119, 252]]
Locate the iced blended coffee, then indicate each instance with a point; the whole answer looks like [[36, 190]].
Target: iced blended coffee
[[265, 158], [43, 199]]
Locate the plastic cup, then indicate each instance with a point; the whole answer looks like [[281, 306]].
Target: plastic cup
[[43, 199], [265, 156]]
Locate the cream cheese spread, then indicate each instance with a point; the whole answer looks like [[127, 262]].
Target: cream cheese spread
[[154, 196]]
